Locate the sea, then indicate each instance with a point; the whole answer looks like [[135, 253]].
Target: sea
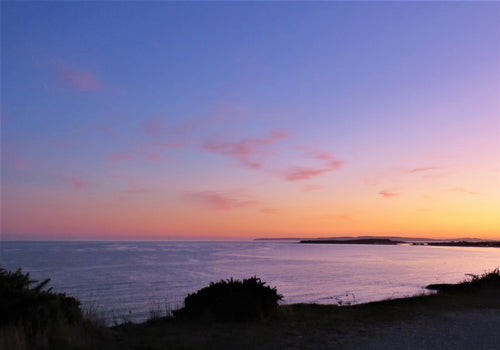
[[128, 281]]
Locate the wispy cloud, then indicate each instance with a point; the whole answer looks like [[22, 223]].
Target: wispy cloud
[[268, 210], [331, 217], [15, 162], [77, 78], [466, 191], [422, 169], [156, 157], [136, 190], [119, 156], [224, 114], [131, 192], [298, 173], [221, 200], [303, 173], [308, 188], [388, 193], [179, 129], [154, 126], [77, 183], [172, 145], [248, 152]]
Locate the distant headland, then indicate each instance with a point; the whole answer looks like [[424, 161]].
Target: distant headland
[[392, 240]]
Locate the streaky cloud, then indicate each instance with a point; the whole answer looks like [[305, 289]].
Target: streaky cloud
[[119, 157], [308, 188], [247, 150], [15, 162], [156, 157], [334, 217], [298, 173], [77, 78], [466, 191], [303, 173], [388, 193], [268, 210], [77, 183], [154, 127], [422, 169], [221, 200]]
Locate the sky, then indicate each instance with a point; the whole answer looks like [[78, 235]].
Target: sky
[[239, 120]]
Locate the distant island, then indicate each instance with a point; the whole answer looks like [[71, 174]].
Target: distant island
[[378, 241], [392, 238], [388, 241]]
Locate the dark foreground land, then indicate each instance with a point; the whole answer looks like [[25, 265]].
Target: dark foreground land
[[462, 316]]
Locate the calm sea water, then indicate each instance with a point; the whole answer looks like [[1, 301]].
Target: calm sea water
[[127, 278]]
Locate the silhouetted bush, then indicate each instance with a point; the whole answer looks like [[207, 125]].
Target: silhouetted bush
[[231, 300], [490, 279], [24, 303]]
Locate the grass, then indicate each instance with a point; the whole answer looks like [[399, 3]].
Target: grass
[[297, 326], [94, 314]]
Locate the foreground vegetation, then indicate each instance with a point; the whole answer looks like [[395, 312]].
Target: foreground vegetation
[[54, 321]]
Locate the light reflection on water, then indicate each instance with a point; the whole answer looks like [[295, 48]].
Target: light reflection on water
[[125, 277]]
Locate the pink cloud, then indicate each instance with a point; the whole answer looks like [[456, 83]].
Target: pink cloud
[[247, 150], [224, 114], [436, 176], [308, 188], [372, 181], [77, 78], [336, 217], [155, 157], [332, 162], [119, 157], [268, 210], [77, 183], [154, 127], [422, 169], [137, 190], [172, 145], [124, 195], [321, 155], [302, 173], [388, 193], [220, 201], [305, 173], [298, 173], [15, 162], [463, 190]]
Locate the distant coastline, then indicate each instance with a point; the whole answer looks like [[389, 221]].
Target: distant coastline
[[387, 241], [392, 238]]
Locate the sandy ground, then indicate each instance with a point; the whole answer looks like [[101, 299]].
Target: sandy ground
[[470, 329]]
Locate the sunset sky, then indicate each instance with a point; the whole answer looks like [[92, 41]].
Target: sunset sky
[[229, 120]]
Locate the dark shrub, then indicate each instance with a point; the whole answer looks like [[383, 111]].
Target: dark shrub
[[489, 279], [24, 303], [231, 300]]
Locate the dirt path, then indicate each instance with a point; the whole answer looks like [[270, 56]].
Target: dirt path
[[471, 329]]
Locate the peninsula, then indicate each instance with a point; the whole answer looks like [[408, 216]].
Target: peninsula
[[389, 241]]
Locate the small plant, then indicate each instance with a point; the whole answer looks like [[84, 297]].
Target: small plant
[[94, 314], [155, 310], [231, 300], [159, 310], [346, 299]]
